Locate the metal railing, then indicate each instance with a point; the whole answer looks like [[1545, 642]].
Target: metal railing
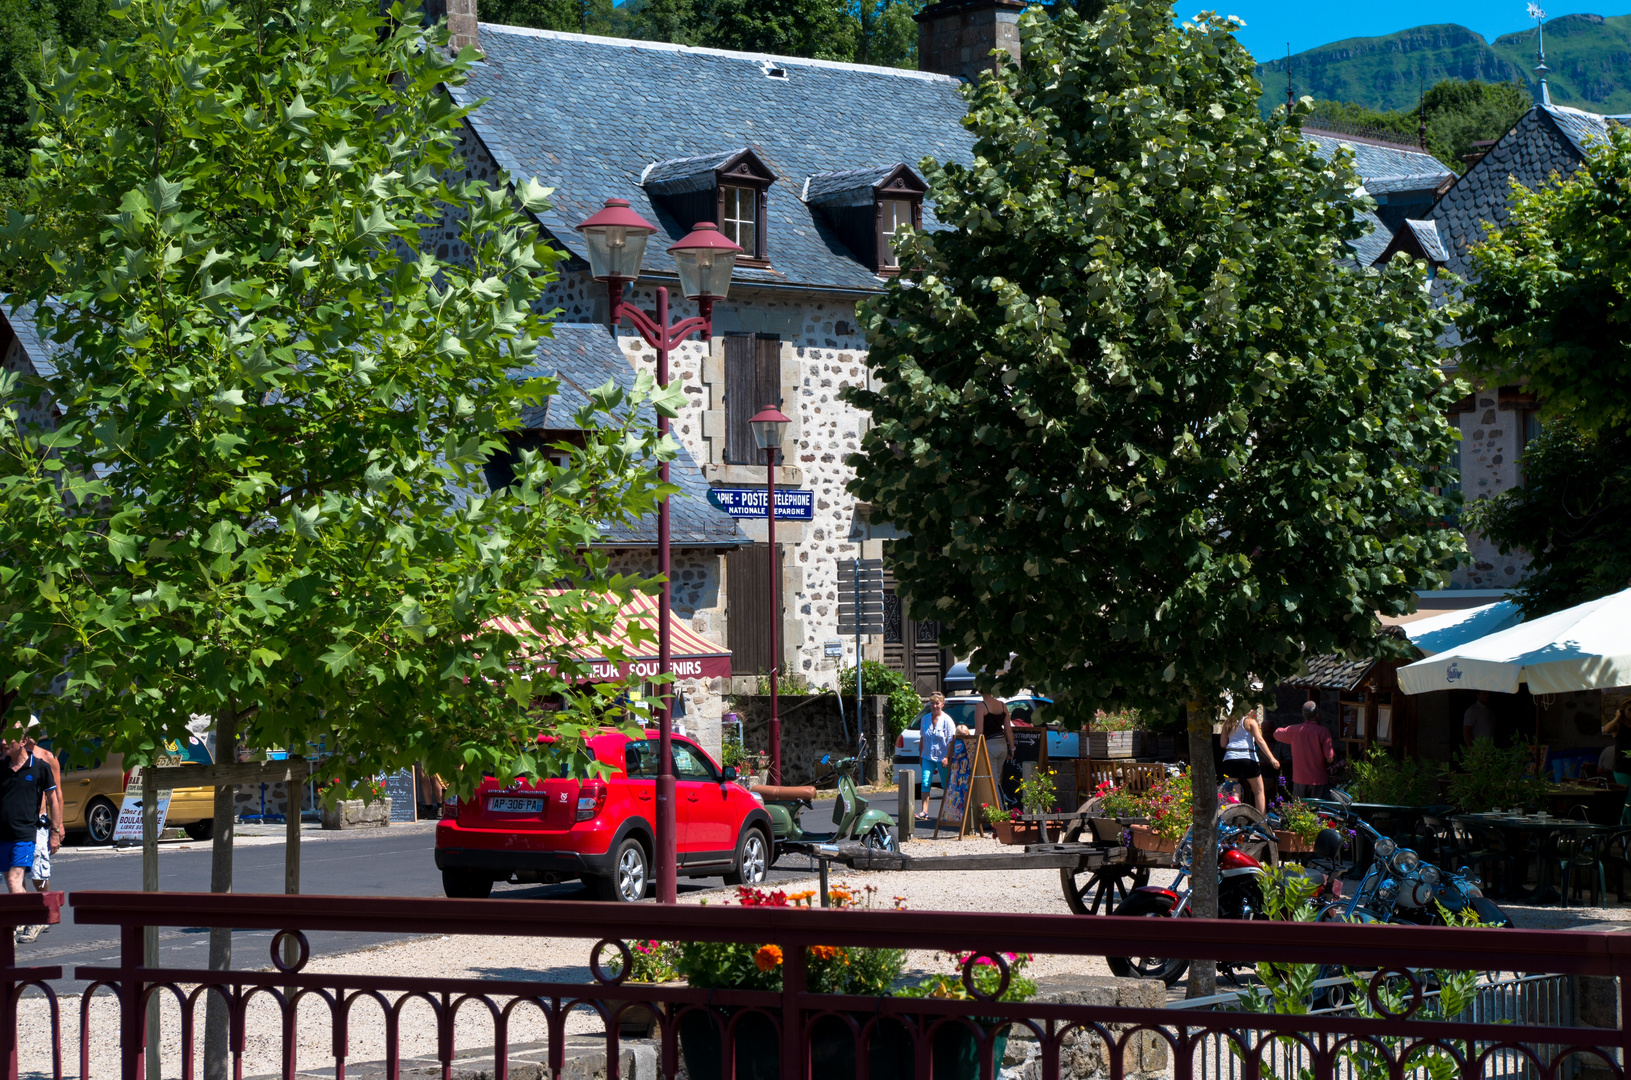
[[317, 1016], [1501, 999]]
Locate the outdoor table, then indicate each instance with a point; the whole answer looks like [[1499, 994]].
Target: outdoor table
[[1540, 828]]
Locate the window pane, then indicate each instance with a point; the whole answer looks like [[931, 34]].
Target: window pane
[[739, 218], [689, 765]]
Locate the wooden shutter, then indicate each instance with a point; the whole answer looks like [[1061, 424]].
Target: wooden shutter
[[753, 379], [747, 609], [741, 377]]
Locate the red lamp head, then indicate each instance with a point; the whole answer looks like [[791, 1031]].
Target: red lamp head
[[617, 241], [705, 260], [767, 427]]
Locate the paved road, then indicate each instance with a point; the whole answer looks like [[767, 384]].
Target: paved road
[[397, 861]]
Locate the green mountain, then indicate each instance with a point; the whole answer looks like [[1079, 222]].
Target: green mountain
[[1589, 57]]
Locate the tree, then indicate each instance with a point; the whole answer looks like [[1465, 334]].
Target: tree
[[1141, 426], [572, 16], [1547, 302], [674, 21], [1571, 515], [821, 29], [259, 502], [1458, 113], [886, 32]]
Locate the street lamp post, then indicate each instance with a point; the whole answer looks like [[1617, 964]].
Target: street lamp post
[[767, 427], [616, 237]]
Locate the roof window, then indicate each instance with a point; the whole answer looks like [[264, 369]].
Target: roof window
[[868, 207], [730, 189]]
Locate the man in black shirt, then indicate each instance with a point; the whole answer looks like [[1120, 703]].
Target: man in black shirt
[[24, 784]]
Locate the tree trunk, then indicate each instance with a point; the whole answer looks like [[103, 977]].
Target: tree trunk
[[217, 1064], [1203, 787]]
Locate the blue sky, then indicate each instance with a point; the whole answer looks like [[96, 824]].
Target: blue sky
[[1272, 23]]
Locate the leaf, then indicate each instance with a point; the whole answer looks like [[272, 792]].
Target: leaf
[[305, 522], [533, 196], [222, 538], [339, 155], [162, 195]]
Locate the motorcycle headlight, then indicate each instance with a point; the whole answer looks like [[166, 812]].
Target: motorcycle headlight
[[1385, 847], [1404, 861], [1429, 874]]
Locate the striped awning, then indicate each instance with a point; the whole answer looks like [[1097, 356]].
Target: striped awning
[[693, 656]]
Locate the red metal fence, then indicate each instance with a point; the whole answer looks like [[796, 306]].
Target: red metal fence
[[799, 1021]]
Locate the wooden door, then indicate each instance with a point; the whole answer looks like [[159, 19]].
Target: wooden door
[[910, 647]]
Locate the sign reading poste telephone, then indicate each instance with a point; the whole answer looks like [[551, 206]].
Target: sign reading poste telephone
[[792, 504]]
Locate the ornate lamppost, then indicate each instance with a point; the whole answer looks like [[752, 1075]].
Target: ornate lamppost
[[767, 427], [616, 237]]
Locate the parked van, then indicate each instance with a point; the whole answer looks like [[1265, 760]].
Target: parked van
[[91, 797]]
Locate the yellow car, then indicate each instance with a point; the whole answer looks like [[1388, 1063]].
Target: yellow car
[[91, 797]]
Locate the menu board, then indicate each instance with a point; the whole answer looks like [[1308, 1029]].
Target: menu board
[[399, 789], [1028, 744]]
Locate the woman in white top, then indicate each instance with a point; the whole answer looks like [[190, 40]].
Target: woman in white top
[[1244, 751], [935, 749]]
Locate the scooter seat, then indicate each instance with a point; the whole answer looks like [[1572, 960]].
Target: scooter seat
[[772, 793]]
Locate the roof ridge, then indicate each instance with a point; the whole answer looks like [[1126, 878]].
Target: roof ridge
[[664, 46], [1368, 140]]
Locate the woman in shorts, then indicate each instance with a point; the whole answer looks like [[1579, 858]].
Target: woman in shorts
[[1244, 751]]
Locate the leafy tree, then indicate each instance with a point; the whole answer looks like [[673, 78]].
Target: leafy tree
[[1571, 515], [1548, 304], [820, 29], [573, 16], [674, 21], [257, 502], [1140, 426], [886, 32], [1458, 113]]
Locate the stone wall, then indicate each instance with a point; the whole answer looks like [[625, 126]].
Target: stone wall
[[1491, 443], [1083, 1054], [811, 727]]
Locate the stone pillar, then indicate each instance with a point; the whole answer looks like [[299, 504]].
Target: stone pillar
[[461, 21]]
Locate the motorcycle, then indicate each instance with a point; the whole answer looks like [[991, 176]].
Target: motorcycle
[[1238, 896], [1398, 887], [852, 818]]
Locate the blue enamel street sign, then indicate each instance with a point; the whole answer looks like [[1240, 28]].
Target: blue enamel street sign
[[792, 504]]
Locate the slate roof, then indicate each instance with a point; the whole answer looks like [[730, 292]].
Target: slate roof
[[586, 357], [1547, 139], [680, 175], [552, 113], [1386, 169], [1426, 234], [39, 351], [1332, 672], [851, 187]]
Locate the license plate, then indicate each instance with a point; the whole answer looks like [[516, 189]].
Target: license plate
[[510, 804]]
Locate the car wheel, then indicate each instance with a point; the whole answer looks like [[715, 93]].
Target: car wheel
[[463, 884], [200, 830], [100, 819], [752, 864], [630, 875]]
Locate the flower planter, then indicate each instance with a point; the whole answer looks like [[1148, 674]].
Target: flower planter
[[1017, 832], [1147, 839], [1111, 744], [356, 814], [832, 1049], [1290, 843]]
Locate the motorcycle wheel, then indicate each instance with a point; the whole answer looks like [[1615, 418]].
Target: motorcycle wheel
[[1146, 967], [879, 838]]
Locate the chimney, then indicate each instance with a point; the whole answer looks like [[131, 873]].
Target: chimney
[[956, 37], [461, 21]]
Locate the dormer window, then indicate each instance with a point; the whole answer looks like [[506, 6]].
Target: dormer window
[[868, 208], [739, 218], [730, 189]]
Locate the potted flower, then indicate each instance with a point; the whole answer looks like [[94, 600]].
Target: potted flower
[[1168, 807], [653, 965], [831, 970], [364, 805], [1302, 825], [957, 1052], [999, 821]]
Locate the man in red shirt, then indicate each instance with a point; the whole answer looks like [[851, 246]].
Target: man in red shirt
[[1311, 750]]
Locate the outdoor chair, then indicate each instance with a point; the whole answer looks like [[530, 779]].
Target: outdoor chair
[[1485, 850], [1435, 840], [1616, 858], [1577, 854]]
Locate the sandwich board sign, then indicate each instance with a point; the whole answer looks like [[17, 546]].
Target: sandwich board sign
[[129, 825]]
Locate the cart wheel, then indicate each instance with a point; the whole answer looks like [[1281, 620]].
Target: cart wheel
[[1095, 892]]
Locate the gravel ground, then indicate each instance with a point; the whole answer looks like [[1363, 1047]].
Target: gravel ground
[[567, 960]]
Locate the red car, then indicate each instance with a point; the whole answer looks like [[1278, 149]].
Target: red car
[[601, 830]]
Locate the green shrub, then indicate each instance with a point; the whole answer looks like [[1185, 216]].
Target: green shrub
[[1378, 777], [1486, 777], [905, 706]]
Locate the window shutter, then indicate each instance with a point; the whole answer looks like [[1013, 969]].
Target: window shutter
[[880, 252], [761, 224], [719, 206], [747, 608], [741, 398], [768, 380]]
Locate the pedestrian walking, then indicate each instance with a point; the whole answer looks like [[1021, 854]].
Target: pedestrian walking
[[1242, 760], [938, 731], [1311, 752], [992, 720], [48, 837], [25, 797]]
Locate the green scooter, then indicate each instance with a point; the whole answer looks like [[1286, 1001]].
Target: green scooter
[[850, 815]]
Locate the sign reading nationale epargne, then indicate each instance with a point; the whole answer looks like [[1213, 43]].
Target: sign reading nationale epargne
[[792, 504]]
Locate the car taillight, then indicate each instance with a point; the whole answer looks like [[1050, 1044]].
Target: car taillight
[[450, 806], [900, 741], [591, 799]]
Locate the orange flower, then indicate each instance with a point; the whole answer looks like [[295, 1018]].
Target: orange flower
[[801, 897], [767, 957], [823, 952]]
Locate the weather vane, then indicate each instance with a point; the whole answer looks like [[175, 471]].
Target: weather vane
[[1540, 39]]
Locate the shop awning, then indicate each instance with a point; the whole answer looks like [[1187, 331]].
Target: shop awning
[[1441, 633], [693, 656], [1586, 647]]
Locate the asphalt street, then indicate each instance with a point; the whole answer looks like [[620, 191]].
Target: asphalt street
[[397, 861]]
